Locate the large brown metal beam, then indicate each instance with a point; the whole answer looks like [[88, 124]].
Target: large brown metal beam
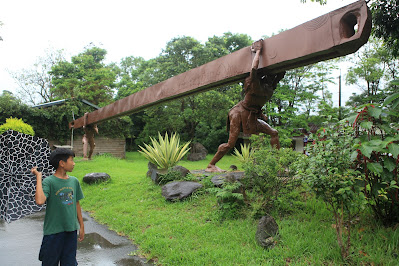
[[329, 36]]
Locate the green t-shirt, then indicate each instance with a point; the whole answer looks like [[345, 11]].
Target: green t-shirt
[[61, 213]]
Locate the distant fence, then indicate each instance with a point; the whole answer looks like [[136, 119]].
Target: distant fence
[[114, 146]]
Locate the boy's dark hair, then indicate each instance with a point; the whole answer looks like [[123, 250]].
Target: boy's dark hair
[[60, 154]]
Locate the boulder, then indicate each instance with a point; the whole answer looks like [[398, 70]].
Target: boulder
[[196, 157], [155, 176], [151, 168], [95, 178], [267, 232], [155, 173], [198, 148], [184, 171], [179, 190], [218, 180], [197, 152]]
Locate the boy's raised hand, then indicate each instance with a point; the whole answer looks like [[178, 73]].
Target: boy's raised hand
[[35, 172]]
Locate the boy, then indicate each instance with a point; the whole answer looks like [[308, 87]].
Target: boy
[[62, 194]]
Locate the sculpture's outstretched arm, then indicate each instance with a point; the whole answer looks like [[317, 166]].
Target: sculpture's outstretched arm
[[257, 49]]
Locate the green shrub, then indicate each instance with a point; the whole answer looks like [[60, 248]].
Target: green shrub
[[329, 173], [230, 202], [270, 175], [166, 152], [16, 125], [376, 155]]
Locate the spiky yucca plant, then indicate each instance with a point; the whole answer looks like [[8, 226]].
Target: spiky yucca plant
[[166, 152], [245, 155]]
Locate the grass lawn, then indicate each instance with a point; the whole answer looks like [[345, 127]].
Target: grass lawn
[[191, 233]]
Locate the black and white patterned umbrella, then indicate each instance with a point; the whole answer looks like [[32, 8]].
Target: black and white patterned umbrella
[[18, 154]]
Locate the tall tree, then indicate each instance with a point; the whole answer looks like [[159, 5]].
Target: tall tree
[[134, 74], [367, 73], [301, 98], [86, 77], [35, 83], [386, 22]]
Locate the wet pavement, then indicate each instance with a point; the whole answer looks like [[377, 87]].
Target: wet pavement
[[20, 243]]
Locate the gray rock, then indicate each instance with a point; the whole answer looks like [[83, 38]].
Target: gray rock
[[154, 173], [151, 168], [179, 189], [95, 178], [267, 232], [196, 156], [197, 152], [218, 180], [198, 148], [155, 176], [184, 171]]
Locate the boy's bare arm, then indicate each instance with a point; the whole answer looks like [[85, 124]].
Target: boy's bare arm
[[80, 219], [40, 198]]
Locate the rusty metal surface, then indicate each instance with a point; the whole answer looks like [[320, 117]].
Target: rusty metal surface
[[328, 36]]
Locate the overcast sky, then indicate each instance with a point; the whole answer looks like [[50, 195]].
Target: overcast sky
[[137, 28]]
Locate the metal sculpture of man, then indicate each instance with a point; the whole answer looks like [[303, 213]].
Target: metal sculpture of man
[[88, 139], [247, 116]]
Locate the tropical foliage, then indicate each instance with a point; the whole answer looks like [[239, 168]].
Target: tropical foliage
[[377, 156], [165, 152], [245, 155]]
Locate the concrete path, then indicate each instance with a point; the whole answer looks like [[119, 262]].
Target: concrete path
[[20, 243]]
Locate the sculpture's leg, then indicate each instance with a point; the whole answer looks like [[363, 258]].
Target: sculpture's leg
[[85, 144], [264, 127], [92, 146], [235, 125]]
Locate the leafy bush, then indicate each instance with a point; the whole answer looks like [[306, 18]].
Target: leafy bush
[[329, 173], [230, 201], [393, 99], [377, 157], [166, 152], [16, 125], [284, 136], [270, 175]]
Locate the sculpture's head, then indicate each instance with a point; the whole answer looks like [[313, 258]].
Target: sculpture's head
[[271, 80], [267, 81]]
